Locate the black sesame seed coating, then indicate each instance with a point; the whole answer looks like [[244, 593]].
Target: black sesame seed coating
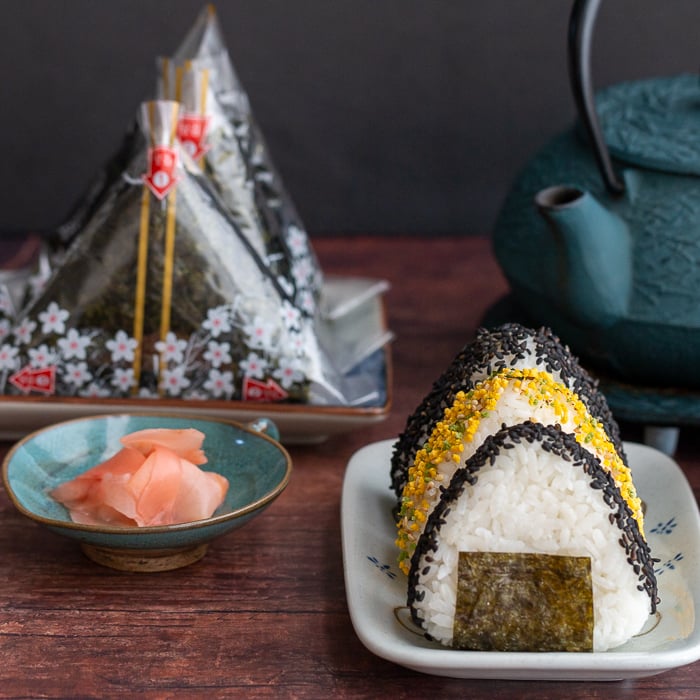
[[559, 443], [492, 351]]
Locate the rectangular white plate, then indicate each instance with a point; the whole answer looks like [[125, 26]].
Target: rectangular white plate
[[376, 588]]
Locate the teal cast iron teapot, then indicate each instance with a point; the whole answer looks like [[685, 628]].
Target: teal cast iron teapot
[[600, 236]]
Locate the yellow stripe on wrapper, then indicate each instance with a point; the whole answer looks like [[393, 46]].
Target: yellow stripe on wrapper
[[203, 89], [169, 251], [173, 123], [142, 262], [459, 425], [168, 264], [178, 82], [141, 269]]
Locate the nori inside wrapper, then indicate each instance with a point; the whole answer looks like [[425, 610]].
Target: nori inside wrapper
[[240, 142], [515, 601], [226, 327], [238, 163]]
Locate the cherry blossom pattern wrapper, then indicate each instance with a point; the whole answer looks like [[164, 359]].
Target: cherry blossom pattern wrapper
[[160, 295]]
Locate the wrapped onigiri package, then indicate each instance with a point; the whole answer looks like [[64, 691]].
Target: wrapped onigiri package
[[219, 127], [160, 294], [209, 137]]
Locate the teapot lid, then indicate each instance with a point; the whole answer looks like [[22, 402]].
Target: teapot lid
[[654, 123]]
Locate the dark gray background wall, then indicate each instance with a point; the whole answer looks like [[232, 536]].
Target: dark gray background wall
[[384, 116]]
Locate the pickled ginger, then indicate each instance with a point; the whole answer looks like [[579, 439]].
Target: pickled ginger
[[153, 480]]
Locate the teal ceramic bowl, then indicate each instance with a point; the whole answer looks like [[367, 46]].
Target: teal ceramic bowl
[[257, 467]]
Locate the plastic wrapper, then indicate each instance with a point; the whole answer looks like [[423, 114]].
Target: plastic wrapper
[[218, 129], [160, 294], [185, 272], [218, 126], [209, 139], [23, 275]]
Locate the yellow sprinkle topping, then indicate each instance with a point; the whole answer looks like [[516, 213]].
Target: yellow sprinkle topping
[[459, 425]]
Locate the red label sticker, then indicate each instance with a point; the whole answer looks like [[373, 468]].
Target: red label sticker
[[256, 390], [192, 134], [161, 177], [42, 380]]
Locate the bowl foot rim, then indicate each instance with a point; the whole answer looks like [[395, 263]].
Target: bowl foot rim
[[144, 560]]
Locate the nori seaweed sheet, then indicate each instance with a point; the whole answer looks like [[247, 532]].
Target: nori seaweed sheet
[[213, 264], [204, 44], [488, 354], [103, 271], [555, 441], [518, 601], [257, 222]]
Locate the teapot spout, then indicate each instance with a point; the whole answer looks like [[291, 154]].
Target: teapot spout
[[594, 247]]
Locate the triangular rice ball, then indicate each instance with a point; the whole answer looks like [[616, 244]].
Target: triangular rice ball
[[533, 489]]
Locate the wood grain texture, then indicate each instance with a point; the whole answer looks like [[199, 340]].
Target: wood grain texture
[[264, 613]]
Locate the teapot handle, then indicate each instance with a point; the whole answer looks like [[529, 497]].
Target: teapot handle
[[581, 21]]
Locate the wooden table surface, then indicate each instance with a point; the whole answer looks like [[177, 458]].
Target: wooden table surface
[[264, 614]]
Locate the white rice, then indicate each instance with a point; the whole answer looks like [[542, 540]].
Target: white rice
[[533, 501], [513, 407], [480, 373]]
